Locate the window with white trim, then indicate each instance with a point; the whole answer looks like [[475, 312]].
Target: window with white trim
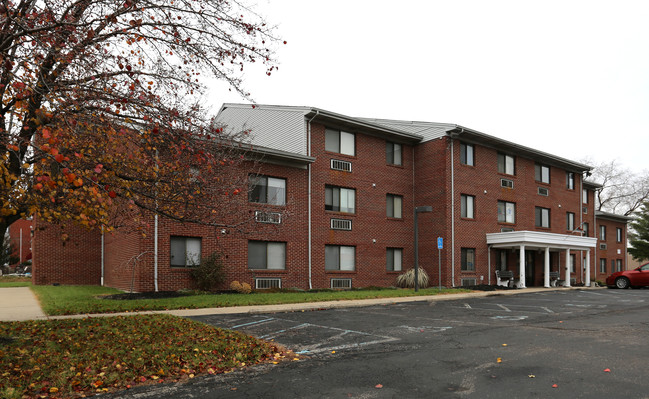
[[266, 255], [185, 251], [340, 142], [584, 194], [393, 153], [394, 205], [619, 265], [602, 265], [394, 259], [340, 199], [506, 164], [506, 212], [618, 234], [267, 190], [467, 208], [602, 233], [340, 257], [542, 217]]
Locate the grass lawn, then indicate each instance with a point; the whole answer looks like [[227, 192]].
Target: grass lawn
[[15, 281], [64, 300], [81, 357]]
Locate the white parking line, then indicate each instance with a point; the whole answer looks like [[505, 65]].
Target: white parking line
[[503, 307]]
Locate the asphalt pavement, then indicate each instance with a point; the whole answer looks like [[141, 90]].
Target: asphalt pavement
[[583, 343]]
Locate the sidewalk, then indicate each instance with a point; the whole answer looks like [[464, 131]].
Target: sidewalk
[[20, 304]]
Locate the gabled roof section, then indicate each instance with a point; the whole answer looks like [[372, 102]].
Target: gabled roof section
[[612, 216], [284, 128]]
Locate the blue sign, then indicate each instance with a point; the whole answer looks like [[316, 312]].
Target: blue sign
[[440, 243]]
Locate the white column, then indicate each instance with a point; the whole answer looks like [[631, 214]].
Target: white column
[[588, 268], [546, 272], [521, 266], [568, 267]]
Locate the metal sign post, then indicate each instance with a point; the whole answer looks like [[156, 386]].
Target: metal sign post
[[440, 245]]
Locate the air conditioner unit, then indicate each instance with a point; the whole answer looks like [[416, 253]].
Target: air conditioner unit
[[267, 283], [341, 283], [341, 224], [506, 183], [268, 217], [345, 166]]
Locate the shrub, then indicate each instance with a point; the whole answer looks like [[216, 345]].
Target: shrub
[[209, 274], [242, 288], [407, 279]]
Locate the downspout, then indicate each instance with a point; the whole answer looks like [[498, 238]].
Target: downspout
[[453, 211], [308, 152], [102, 256]]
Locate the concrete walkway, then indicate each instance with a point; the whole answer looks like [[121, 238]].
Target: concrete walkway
[[19, 304]]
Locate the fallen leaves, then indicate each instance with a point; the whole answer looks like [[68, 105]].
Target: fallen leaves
[[121, 352]]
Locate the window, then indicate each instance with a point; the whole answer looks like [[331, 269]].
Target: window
[[267, 190], [340, 142], [570, 221], [393, 205], [542, 173], [602, 265], [338, 257], [506, 212], [584, 194], [602, 233], [570, 180], [573, 260], [185, 251], [468, 259], [393, 153], [618, 234], [619, 265], [266, 255], [542, 217], [585, 227], [612, 265], [467, 206], [466, 154], [340, 199], [394, 258], [506, 164]]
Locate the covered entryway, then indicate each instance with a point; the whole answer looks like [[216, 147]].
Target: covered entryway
[[538, 241]]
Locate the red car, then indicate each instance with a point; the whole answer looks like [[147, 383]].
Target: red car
[[637, 277]]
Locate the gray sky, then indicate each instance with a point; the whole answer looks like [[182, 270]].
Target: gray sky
[[567, 77]]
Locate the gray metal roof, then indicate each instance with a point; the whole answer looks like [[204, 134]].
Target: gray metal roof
[[284, 128]]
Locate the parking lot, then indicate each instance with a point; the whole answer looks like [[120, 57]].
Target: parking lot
[[546, 344]]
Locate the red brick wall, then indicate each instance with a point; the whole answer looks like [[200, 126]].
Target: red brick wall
[[373, 179], [65, 254], [15, 237], [614, 250]]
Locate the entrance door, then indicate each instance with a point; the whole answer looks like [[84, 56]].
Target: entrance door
[[530, 269]]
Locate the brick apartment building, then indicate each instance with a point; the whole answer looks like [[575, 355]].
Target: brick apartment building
[[333, 206]]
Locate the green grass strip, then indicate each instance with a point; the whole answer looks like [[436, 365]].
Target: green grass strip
[[65, 300]]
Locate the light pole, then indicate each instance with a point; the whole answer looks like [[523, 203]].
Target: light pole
[[418, 210]]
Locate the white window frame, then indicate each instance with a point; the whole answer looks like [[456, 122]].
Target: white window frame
[[190, 247], [602, 265], [570, 180], [570, 221], [602, 232], [618, 234], [340, 258]]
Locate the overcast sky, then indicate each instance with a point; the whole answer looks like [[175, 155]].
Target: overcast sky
[[567, 77]]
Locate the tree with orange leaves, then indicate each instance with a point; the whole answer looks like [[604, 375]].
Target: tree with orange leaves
[[100, 114]]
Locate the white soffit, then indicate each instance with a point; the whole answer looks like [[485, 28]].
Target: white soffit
[[539, 239]]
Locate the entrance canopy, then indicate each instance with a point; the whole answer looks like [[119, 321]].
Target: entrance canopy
[[535, 240]]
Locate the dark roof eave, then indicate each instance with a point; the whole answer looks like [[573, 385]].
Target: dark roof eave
[[494, 142], [282, 155], [339, 119], [612, 216]]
